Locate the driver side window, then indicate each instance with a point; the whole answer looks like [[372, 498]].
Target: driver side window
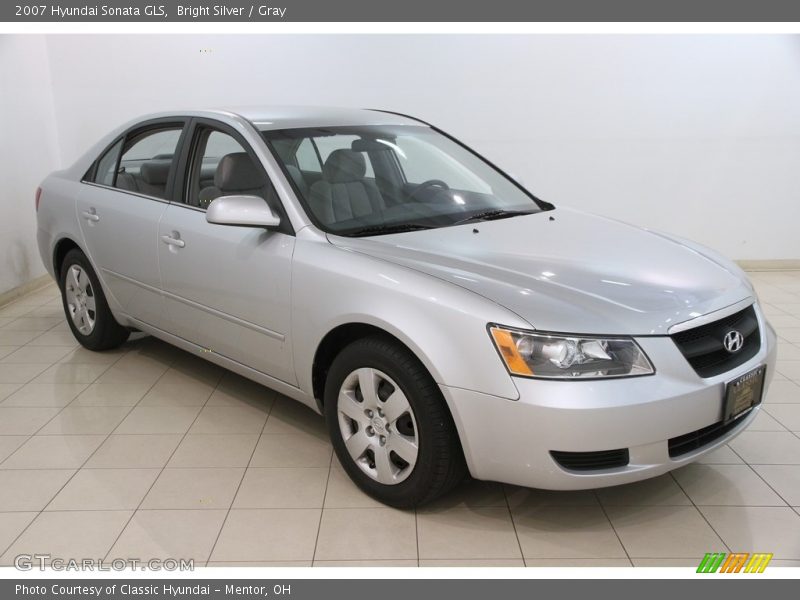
[[221, 166]]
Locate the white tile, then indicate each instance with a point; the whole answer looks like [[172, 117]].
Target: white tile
[[111, 394], [664, 531], [467, 533], [195, 488], [69, 535], [159, 419], [298, 487], [44, 394], [366, 533], [160, 534], [104, 489], [214, 450], [141, 451], [726, 485], [775, 529], [566, 532], [20, 373], [54, 452], [30, 490], [269, 534], [24, 420], [36, 354]]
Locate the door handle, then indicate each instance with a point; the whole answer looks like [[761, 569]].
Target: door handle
[[173, 241], [91, 215]]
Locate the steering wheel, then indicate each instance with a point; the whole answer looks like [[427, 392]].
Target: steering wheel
[[426, 184]]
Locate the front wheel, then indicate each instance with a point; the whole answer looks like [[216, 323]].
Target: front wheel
[[85, 305], [389, 424]]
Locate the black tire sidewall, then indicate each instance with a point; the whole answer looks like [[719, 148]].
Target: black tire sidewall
[[430, 415], [107, 332]]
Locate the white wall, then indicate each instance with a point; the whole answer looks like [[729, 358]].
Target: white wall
[[28, 151], [697, 135]]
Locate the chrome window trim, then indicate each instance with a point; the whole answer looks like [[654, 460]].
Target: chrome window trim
[[127, 192]]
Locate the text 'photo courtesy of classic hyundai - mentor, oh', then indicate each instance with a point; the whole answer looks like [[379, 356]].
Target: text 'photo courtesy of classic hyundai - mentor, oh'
[[442, 318]]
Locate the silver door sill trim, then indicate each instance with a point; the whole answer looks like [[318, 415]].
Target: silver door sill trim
[[212, 311]]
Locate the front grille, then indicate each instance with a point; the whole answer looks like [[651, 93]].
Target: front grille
[[592, 461], [689, 442], [702, 346]]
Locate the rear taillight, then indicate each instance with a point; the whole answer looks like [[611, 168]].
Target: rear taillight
[[38, 197]]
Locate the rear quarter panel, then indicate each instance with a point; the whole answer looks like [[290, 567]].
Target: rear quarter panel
[[56, 217]]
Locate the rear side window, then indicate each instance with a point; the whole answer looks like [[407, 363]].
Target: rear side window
[[107, 165], [147, 160], [307, 157]]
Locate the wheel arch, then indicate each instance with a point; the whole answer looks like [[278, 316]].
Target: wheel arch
[[341, 336], [60, 250]]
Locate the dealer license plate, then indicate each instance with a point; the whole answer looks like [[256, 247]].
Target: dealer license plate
[[743, 393]]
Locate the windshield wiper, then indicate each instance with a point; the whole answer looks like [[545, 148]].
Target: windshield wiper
[[384, 229], [490, 215]]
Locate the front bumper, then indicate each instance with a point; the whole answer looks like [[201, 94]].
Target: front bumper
[[511, 440]]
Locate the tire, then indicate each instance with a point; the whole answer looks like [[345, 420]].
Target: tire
[[385, 365], [85, 305]]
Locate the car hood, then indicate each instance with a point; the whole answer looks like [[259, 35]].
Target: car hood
[[568, 271]]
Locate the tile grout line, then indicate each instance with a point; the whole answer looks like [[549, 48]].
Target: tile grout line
[[244, 472], [614, 529], [322, 510], [700, 512], [776, 492], [71, 477], [174, 450], [513, 523]]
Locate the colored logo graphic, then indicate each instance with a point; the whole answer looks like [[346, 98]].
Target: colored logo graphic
[[738, 562]]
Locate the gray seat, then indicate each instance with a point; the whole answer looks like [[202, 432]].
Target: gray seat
[[151, 179], [343, 193], [236, 174]]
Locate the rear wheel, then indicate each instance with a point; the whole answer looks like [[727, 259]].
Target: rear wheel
[[389, 424], [85, 305]]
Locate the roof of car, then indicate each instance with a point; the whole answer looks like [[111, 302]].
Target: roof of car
[[283, 117]]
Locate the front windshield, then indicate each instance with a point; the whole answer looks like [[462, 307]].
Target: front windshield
[[383, 179]]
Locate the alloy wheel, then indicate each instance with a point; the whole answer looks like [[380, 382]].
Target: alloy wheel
[[378, 426], [80, 299]]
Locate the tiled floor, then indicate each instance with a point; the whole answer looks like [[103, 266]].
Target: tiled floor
[[149, 452]]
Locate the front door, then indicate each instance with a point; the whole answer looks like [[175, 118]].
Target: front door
[[227, 288]]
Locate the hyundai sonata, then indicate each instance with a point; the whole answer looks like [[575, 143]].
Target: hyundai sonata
[[442, 318]]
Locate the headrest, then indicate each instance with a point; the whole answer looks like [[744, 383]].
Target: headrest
[[236, 172], [343, 166], [155, 172]]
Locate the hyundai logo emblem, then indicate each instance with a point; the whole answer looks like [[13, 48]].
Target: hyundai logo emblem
[[733, 341]]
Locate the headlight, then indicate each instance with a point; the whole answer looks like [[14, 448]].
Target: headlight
[[552, 356]]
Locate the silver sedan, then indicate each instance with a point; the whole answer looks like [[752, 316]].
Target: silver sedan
[[442, 318]]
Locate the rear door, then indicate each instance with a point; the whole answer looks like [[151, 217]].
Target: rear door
[[119, 209], [227, 288]]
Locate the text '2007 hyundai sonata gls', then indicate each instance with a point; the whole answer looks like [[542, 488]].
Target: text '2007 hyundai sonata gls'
[[441, 317]]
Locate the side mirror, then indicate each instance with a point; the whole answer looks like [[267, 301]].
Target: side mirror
[[244, 211]]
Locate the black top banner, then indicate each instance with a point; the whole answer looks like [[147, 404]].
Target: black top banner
[[403, 10]]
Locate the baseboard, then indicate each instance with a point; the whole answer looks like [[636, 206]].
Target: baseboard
[[784, 264], [25, 288]]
